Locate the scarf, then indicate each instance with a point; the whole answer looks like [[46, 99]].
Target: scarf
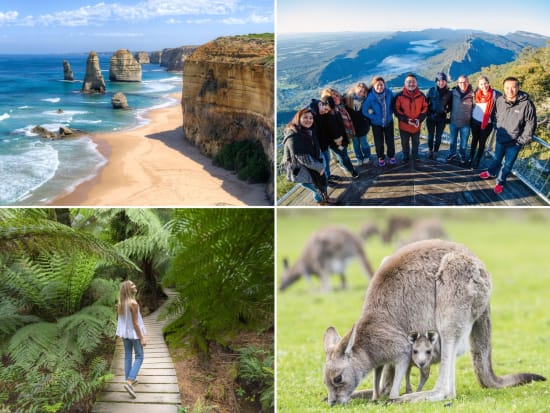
[[381, 97], [348, 124], [488, 99]]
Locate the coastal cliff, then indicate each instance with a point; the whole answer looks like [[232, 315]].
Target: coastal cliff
[[228, 93], [173, 59]]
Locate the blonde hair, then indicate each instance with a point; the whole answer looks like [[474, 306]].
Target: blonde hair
[[126, 296], [328, 91]]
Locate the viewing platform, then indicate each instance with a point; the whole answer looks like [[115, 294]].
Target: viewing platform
[[425, 183]]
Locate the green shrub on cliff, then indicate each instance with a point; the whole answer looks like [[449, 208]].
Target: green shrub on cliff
[[247, 158]]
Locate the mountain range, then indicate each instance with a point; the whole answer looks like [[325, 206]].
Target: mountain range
[[308, 62]]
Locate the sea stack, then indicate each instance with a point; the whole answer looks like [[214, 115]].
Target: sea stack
[[67, 72], [124, 68], [93, 81], [142, 57], [119, 101]]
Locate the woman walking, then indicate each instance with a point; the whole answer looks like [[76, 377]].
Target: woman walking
[[131, 329]]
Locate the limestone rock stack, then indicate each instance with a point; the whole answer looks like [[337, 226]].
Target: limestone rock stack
[[142, 57], [154, 57], [124, 68], [93, 81], [67, 72], [173, 59], [119, 101], [228, 92]]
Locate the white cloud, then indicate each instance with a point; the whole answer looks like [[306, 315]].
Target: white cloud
[[8, 16], [253, 18], [118, 34], [173, 21]]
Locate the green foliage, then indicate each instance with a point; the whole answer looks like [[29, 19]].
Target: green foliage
[[512, 244], [57, 318], [256, 369], [532, 68], [223, 271], [247, 158]]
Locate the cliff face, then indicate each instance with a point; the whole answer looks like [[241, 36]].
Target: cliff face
[[173, 59], [228, 93], [154, 57], [67, 72], [124, 68]]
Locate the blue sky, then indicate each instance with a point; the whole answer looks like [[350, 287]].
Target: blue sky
[[493, 16], [44, 26]]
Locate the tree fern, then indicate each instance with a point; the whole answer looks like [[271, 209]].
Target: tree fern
[[223, 270]]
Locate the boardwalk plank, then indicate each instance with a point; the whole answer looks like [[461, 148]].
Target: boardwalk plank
[[103, 407]]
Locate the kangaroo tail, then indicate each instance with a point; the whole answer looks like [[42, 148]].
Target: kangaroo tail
[[363, 258], [480, 344], [289, 280]]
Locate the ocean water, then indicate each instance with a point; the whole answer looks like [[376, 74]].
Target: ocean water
[[33, 171]]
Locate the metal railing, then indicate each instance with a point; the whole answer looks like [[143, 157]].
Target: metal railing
[[532, 165]]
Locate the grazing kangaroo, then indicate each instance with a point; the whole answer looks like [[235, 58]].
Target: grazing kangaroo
[[328, 251], [425, 351], [428, 285]]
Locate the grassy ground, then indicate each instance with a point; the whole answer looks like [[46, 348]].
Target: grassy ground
[[514, 245]]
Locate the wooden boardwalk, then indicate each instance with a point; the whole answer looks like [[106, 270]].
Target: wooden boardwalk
[[425, 183], [157, 390]]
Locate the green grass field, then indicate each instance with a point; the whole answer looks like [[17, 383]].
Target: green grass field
[[515, 247]]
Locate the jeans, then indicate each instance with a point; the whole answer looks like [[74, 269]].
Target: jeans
[[383, 134], [435, 130], [131, 370], [361, 147], [317, 196], [343, 159], [507, 152], [479, 136], [326, 154], [405, 137], [464, 135]]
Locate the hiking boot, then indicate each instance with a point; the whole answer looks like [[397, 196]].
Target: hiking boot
[[355, 174], [498, 189], [366, 161], [431, 155], [485, 175], [381, 162], [130, 389], [450, 157], [392, 161]]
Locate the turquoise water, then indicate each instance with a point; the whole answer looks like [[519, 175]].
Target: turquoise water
[[34, 171]]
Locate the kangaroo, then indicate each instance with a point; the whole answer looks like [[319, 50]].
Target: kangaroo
[[425, 351], [427, 285], [329, 250]]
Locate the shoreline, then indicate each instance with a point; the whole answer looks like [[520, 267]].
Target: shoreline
[[153, 165]]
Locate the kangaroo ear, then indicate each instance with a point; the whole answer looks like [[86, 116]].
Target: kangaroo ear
[[351, 341], [285, 263], [433, 336], [412, 337], [330, 339]]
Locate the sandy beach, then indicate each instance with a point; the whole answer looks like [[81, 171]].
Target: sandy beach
[[154, 165]]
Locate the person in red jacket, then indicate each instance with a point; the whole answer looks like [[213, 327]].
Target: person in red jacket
[[411, 108]]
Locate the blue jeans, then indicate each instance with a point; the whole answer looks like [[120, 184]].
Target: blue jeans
[[361, 147], [131, 370], [317, 196], [326, 154], [343, 159], [464, 135], [509, 153]]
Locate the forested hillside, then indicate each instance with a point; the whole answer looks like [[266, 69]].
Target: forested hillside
[[532, 68]]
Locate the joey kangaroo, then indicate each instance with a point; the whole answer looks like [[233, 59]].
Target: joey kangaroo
[[329, 250], [424, 351], [428, 285]]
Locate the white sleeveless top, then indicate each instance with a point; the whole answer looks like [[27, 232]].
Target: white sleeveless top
[[125, 326]]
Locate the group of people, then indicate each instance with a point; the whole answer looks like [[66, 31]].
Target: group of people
[[327, 125]]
